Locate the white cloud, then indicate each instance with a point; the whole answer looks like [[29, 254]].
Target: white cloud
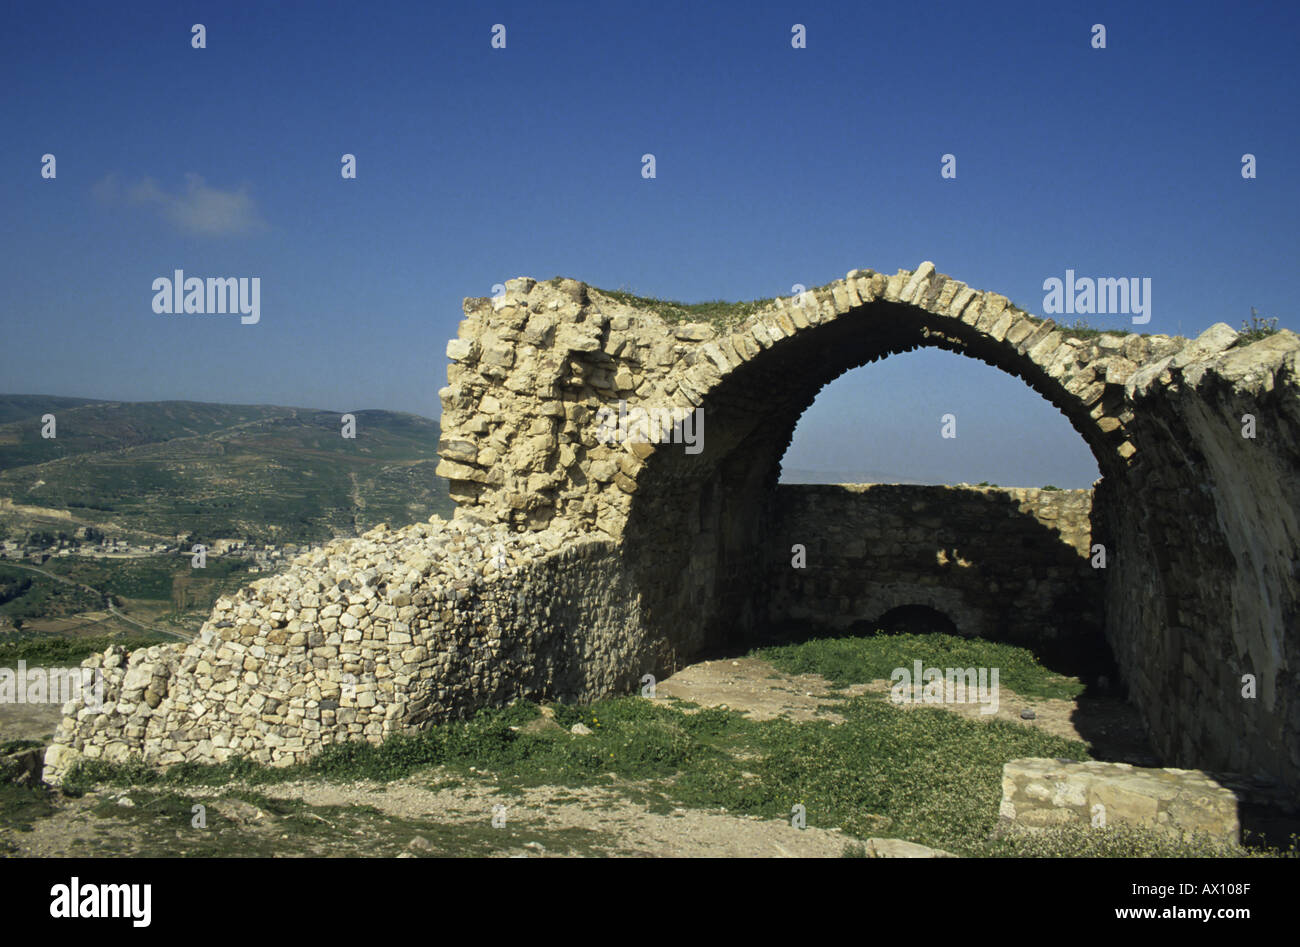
[[200, 209]]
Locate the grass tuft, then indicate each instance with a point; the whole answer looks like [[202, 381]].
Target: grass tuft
[[717, 312], [863, 659]]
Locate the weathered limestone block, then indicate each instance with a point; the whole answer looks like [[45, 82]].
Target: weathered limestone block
[[694, 332], [1141, 381], [577, 338], [918, 279], [462, 350], [994, 306], [1209, 343], [1042, 792]]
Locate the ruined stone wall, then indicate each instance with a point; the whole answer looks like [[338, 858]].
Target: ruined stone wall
[[1205, 573], [372, 637], [1200, 524], [531, 368], [1008, 564]]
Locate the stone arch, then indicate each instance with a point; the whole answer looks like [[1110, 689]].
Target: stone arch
[[754, 383]]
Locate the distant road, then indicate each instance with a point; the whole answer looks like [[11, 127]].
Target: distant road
[[108, 601]]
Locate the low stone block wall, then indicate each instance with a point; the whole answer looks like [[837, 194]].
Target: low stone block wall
[[1038, 793], [371, 637], [1006, 563]]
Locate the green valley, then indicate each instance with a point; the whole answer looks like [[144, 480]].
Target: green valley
[[259, 473]]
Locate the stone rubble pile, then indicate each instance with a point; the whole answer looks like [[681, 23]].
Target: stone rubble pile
[[364, 639]]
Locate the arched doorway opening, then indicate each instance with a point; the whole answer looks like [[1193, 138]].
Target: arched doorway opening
[[882, 483], [715, 537]]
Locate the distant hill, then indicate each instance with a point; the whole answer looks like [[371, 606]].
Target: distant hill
[[845, 475], [261, 472], [20, 407]]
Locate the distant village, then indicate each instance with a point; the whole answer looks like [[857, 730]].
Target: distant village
[[262, 556]]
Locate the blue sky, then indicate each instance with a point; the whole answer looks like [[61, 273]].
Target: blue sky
[[775, 166]]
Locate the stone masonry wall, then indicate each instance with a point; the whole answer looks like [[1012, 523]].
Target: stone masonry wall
[[1205, 569], [1008, 564], [372, 637]]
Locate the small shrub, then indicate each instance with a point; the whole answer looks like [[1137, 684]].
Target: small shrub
[[1256, 328], [66, 652]]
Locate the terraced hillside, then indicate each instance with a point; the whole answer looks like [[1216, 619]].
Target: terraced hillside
[[259, 472]]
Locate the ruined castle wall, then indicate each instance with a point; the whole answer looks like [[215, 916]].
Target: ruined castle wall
[[675, 548], [1205, 568], [372, 637], [1008, 564], [1198, 523]]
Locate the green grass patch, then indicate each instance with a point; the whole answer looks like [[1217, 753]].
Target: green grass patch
[[925, 774], [20, 806], [27, 594], [13, 746], [162, 823], [1080, 329], [58, 651], [861, 660], [1120, 841]]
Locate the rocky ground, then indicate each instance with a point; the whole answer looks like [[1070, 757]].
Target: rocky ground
[[437, 813]]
